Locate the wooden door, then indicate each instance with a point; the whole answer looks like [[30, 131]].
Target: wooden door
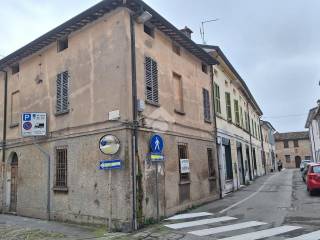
[[14, 186]]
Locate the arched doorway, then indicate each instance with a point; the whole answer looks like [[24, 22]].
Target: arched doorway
[[298, 161], [13, 182]]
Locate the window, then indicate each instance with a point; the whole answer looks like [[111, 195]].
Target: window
[[236, 112], [62, 93], [176, 48], [15, 109], [178, 93], [183, 154], [148, 29], [61, 168], [296, 143], [246, 118], [62, 44], [204, 68], [241, 117], [211, 169], [151, 75], [286, 144], [15, 69], [206, 105], [217, 98], [287, 158], [228, 107]]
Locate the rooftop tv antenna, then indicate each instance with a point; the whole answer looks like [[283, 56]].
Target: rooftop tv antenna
[[202, 32]]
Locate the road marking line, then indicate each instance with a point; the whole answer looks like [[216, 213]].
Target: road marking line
[[263, 234], [189, 215], [247, 198], [309, 236], [227, 228], [199, 222]]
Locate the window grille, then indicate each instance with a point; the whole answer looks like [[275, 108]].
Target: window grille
[[61, 167]]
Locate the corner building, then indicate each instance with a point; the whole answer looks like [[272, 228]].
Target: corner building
[[118, 68]]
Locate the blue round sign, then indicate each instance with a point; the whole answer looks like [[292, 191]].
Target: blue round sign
[[156, 144]]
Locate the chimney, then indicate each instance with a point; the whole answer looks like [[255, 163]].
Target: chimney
[[187, 31]]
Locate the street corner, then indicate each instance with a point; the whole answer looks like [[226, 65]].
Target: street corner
[[15, 233]]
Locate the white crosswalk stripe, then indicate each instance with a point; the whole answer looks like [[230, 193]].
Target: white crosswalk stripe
[[189, 215], [263, 234], [228, 227], [199, 222], [211, 231], [308, 236]]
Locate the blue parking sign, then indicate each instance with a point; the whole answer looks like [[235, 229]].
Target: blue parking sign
[[26, 117]]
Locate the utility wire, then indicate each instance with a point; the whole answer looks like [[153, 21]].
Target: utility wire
[[287, 116]]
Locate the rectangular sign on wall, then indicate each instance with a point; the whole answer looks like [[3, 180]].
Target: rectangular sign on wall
[[33, 124], [184, 166]]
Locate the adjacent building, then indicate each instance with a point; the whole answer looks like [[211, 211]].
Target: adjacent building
[[313, 125], [121, 69], [292, 147], [269, 145], [238, 125]]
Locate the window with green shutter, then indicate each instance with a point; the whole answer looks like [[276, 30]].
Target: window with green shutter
[[206, 105], [217, 98], [62, 104], [151, 78], [236, 112], [241, 118], [228, 106]]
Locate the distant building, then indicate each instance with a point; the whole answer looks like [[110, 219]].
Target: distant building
[[313, 124], [238, 125], [269, 145], [292, 147]]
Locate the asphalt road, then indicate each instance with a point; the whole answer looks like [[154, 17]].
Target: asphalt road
[[273, 201], [275, 206]]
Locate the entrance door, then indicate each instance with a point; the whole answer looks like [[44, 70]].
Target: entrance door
[[228, 169], [240, 164], [14, 183], [249, 163], [298, 161]]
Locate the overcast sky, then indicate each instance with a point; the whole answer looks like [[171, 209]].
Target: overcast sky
[[274, 45]]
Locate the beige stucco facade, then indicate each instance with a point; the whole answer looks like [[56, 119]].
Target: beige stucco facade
[[269, 146], [292, 155], [98, 60], [238, 139]]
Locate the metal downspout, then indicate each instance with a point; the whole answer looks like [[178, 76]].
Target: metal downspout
[[4, 136], [262, 145], [215, 130], [251, 154], [134, 146]]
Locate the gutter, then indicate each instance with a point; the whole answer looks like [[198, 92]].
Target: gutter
[[134, 141], [4, 133], [215, 130], [251, 176]]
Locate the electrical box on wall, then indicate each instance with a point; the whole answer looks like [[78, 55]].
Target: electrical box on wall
[[140, 105]]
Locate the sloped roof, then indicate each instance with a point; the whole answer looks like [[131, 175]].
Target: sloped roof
[[97, 11], [234, 71], [291, 136], [311, 115], [266, 123]]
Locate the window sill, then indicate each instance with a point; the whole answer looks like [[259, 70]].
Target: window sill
[[152, 103], [208, 121], [62, 113], [185, 182], [13, 125], [61, 189], [179, 112], [212, 178]]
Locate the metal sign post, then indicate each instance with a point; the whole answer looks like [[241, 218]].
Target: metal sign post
[[156, 156]]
